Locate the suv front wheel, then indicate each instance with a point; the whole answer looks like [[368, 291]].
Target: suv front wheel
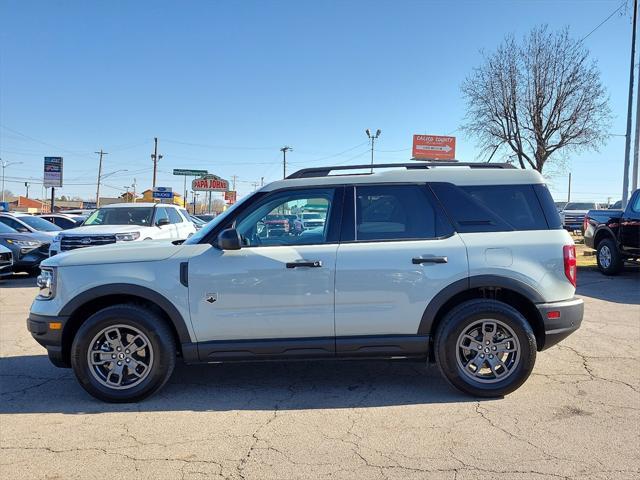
[[485, 348], [123, 353]]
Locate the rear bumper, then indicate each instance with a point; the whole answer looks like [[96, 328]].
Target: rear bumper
[[566, 319], [51, 339]]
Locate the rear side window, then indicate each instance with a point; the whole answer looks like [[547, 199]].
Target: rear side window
[[397, 212], [493, 208]]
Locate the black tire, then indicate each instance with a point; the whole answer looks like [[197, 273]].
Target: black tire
[[463, 317], [159, 335], [610, 261]]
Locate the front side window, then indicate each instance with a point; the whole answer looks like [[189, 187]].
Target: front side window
[[174, 216], [279, 219], [397, 212], [160, 214], [121, 216]]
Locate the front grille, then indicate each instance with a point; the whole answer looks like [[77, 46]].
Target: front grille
[[573, 219], [5, 259], [71, 242]]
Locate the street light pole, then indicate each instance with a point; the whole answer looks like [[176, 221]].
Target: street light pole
[[373, 139], [5, 165]]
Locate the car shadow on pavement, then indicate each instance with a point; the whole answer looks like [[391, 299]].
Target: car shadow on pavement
[[621, 288], [18, 280], [30, 384]]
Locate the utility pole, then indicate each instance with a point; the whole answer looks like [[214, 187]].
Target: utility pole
[[284, 151], [373, 138], [627, 144], [234, 178], [101, 153], [155, 158], [26, 184], [262, 181], [134, 185], [636, 148], [569, 194]]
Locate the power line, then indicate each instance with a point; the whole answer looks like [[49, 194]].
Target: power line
[[604, 21]]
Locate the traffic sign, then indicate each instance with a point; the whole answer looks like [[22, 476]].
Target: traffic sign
[[189, 173], [210, 183], [434, 147], [162, 192]]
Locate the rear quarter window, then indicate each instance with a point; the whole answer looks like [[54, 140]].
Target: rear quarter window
[[495, 208]]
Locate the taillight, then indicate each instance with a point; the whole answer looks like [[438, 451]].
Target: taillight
[[585, 224], [570, 264]]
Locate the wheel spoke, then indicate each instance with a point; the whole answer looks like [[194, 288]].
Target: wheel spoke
[[477, 362], [115, 376], [498, 368], [138, 343], [473, 343], [100, 358], [113, 337], [136, 368]]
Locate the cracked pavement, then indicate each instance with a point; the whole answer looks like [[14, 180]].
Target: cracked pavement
[[578, 415]]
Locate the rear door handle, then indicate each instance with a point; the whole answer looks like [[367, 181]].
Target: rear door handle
[[421, 260], [305, 263]]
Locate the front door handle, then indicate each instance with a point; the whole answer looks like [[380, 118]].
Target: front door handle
[[421, 260], [305, 263]]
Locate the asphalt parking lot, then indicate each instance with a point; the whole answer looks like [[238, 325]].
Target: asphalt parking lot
[[578, 415]]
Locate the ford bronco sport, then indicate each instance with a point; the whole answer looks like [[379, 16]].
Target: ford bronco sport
[[466, 265]]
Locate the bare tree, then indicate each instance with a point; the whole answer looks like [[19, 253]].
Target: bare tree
[[537, 98]]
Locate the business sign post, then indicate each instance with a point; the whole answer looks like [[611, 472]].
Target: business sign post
[[187, 172], [434, 147], [52, 176]]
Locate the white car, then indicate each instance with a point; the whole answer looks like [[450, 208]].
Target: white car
[[126, 222], [466, 265], [26, 223]]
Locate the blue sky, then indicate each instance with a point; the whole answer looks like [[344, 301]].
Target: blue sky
[[224, 85]]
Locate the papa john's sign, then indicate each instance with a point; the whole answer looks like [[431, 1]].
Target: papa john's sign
[[210, 183], [434, 147]]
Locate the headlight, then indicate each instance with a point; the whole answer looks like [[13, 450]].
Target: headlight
[[46, 282], [127, 237], [23, 243], [57, 238]]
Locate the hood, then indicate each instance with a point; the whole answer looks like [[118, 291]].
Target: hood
[[37, 236], [103, 229], [124, 252]]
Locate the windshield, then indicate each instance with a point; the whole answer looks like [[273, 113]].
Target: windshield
[[40, 224], [580, 206], [6, 228], [121, 216], [200, 234], [312, 216]]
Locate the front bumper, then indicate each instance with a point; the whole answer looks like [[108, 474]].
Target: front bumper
[[560, 319], [50, 338]]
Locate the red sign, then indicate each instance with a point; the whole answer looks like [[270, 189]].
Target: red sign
[[230, 196], [210, 184], [434, 147]]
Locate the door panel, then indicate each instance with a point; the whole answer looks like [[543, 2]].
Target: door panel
[[254, 295], [381, 291], [630, 227]]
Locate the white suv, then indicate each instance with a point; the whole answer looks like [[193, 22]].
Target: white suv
[[126, 222], [465, 265]]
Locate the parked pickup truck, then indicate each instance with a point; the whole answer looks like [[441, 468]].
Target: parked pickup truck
[[615, 235], [572, 215]]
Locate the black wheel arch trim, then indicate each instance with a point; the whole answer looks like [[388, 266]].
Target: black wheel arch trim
[[131, 290], [476, 281]]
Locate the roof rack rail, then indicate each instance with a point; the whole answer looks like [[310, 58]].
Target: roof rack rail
[[325, 171]]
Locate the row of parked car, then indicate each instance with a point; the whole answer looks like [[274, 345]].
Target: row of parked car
[[26, 240]]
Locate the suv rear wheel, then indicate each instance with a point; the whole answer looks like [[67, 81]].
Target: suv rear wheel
[[609, 259], [485, 348], [123, 353]]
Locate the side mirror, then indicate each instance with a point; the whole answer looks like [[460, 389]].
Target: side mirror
[[229, 239], [162, 221]]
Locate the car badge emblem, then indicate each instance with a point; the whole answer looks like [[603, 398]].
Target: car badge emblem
[[85, 241]]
